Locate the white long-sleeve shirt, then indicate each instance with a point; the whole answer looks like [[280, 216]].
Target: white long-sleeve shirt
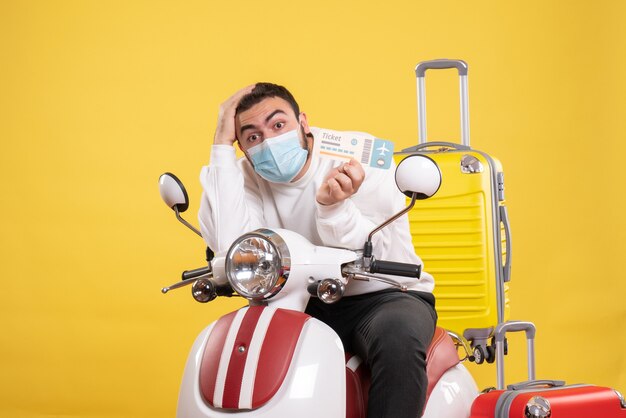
[[236, 200]]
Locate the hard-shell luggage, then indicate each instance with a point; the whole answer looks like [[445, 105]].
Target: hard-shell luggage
[[543, 398], [550, 399], [462, 233]]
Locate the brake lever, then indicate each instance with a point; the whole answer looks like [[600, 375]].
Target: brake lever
[[358, 274], [185, 282]]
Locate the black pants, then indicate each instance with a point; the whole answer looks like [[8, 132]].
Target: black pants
[[391, 331]]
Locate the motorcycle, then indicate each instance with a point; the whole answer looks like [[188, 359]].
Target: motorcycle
[[270, 359]]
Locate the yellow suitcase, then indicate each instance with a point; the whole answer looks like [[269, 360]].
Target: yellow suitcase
[[462, 233]]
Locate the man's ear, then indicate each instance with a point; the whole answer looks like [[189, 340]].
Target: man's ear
[[308, 136], [304, 123]]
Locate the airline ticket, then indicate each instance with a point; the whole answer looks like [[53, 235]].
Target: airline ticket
[[342, 146]]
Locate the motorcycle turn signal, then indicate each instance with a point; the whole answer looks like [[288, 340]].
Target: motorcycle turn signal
[[327, 290]]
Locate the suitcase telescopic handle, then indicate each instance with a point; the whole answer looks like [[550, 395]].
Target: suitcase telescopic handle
[[499, 335], [440, 64], [424, 146], [420, 73]]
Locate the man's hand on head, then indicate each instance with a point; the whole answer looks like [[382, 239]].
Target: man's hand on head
[[225, 133], [341, 183]]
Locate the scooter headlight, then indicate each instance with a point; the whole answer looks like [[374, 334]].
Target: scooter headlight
[[258, 264]]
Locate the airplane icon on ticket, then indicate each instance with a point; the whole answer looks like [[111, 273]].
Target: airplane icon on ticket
[[383, 153], [383, 150]]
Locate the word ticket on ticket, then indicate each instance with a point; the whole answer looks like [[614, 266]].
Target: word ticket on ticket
[[343, 146]]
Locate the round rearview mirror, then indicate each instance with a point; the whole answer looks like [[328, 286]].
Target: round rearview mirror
[[173, 192], [418, 174]]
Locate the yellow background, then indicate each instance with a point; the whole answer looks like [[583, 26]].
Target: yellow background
[[97, 98]]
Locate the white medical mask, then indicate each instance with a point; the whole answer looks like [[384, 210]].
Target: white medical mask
[[279, 159]]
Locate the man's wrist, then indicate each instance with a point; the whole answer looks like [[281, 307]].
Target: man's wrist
[[330, 211]]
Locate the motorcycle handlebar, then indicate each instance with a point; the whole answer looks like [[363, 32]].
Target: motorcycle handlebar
[[396, 269], [192, 274]]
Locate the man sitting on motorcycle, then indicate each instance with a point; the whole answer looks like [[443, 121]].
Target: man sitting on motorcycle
[[281, 184]]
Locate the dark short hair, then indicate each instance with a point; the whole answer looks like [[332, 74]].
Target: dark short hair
[[261, 92]]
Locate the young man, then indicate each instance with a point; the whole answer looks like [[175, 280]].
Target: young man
[[281, 184]]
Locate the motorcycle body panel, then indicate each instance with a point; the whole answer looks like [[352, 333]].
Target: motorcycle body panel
[[304, 260], [315, 371], [453, 394]]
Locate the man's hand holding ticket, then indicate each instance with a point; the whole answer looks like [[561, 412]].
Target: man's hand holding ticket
[[343, 146]]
